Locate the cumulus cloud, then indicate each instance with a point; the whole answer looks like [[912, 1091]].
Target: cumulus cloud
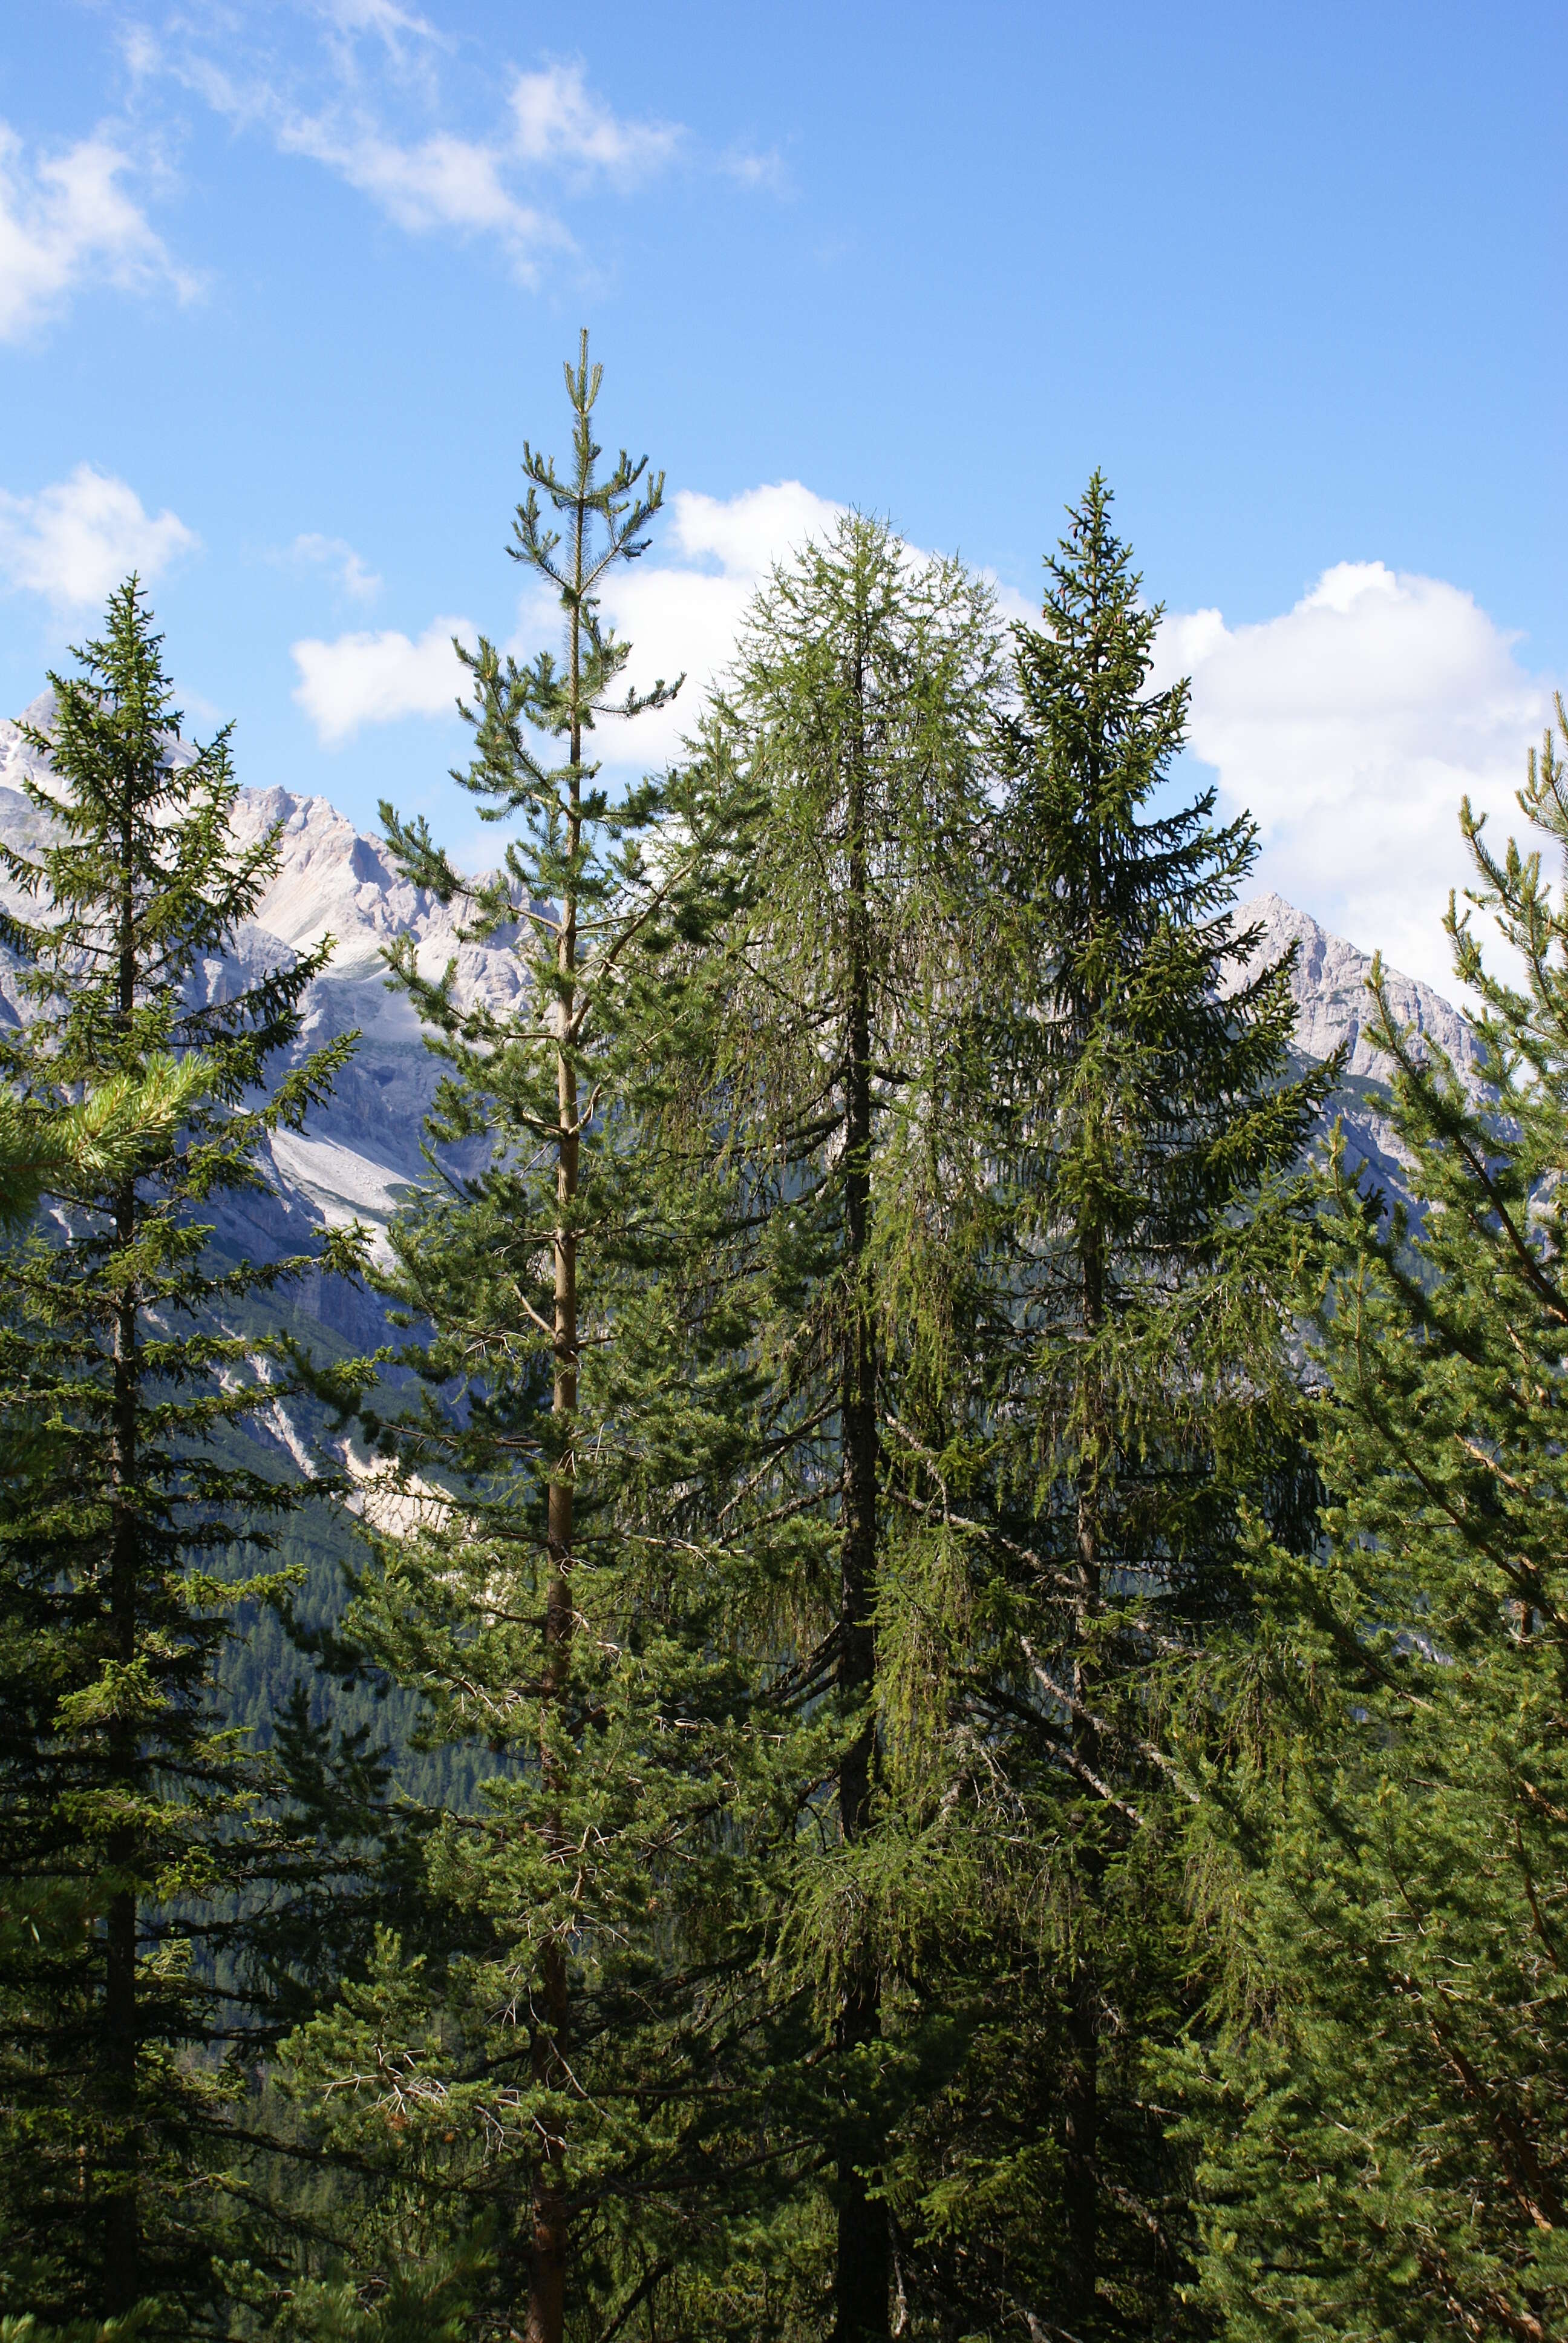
[[685, 618], [67, 220], [681, 616], [1351, 726], [77, 539], [375, 679], [560, 122], [335, 553]]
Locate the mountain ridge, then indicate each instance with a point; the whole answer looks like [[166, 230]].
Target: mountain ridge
[[362, 1153]]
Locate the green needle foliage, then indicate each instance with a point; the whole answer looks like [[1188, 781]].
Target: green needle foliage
[[97, 1139], [859, 712], [1387, 2109], [996, 1785], [1135, 1232], [536, 1587], [133, 1822]]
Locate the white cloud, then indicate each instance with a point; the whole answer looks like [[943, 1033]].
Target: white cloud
[[82, 536], [364, 126], [686, 619], [375, 679], [442, 182], [67, 221], [680, 619], [558, 121], [749, 169], [470, 184], [381, 16], [372, 100], [336, 553], [747, 534], [1351, 726]]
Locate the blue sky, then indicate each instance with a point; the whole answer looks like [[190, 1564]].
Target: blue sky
[[283, 287]]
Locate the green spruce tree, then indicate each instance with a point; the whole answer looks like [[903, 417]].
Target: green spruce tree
[[129, 1535], [1384, 2109], [1131, 1244]]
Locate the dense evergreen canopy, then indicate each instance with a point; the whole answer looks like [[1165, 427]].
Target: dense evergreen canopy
[[972, 1714], [1387, 2143]]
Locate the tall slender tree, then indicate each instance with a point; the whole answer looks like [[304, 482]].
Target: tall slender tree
[[534, 1604], [563, 886], [860, 707], [1383, 2109], [132, 1817], [1132, 1252]]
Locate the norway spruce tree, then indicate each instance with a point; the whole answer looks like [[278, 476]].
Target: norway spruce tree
[[1387, 2108], [540, 1588], [1131, 1257], [127, 1540]]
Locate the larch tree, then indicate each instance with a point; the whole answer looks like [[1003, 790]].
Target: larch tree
[[859, 707]]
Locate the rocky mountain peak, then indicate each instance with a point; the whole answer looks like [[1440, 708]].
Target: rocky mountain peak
[[1329, 987]]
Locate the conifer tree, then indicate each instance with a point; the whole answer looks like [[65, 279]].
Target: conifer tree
[[1132, 1247], [95, 1139], [1385, 2110], [541, 1593], [859, 708], [132, 1820]]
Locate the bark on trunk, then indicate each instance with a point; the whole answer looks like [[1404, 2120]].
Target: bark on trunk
[[121, 2228], [863, 2268], [1081, 2095], [547, 2270]]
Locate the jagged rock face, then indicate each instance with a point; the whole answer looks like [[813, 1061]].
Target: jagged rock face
[[362, 1149], [1333, 1007], [1332, 1003]]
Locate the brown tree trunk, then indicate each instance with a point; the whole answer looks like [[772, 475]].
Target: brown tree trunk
[[121, 2237], [1080, 2093], [121, 2226], [863, 2266], [547, 2269], [546, 2287]]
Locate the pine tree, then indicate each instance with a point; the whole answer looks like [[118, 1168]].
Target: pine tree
[[539, 1592], [1132, 1245], [1387, 2152], [128, 1541]]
